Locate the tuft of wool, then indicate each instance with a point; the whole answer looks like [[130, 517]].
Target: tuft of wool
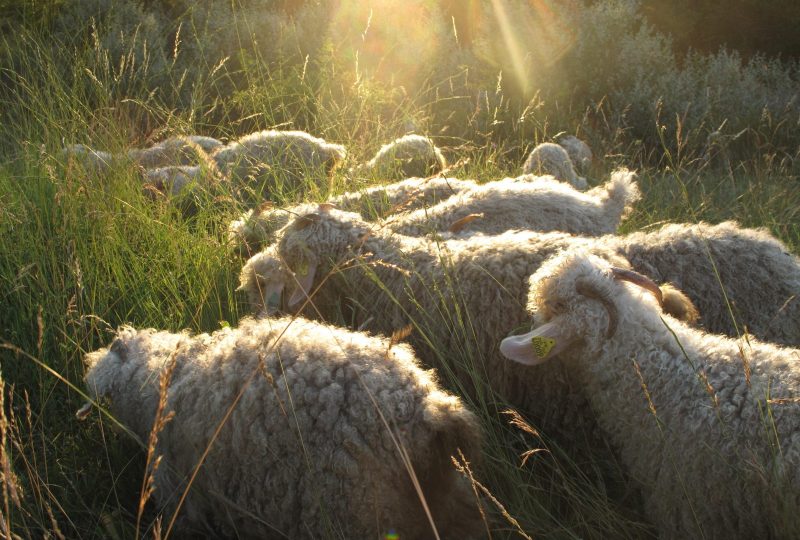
[[326, 430], [174, 179], [90, 160]]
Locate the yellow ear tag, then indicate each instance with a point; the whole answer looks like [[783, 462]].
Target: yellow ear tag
[[302, 269], [542, 345]]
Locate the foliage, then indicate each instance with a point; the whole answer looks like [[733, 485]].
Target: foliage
[[747, 26]]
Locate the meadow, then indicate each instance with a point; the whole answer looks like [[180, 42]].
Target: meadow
[[81, 254]]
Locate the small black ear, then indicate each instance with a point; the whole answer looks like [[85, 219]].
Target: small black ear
[[304, 221]]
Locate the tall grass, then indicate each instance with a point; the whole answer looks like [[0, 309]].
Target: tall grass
[[81, 254]]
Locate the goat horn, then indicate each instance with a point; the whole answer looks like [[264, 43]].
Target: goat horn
[[584, 287], [459, 224], [638, 279]]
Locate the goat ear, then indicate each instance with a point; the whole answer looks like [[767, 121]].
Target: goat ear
[[326, 207], [304, 283], [458, 225], [263, 207], [537, 346], [304, 221], [271, 294]]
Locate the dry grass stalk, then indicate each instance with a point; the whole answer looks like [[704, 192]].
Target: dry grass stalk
[[745, 359], [519, 422], [783, 401], [10, 493], [643, 384], [462, 465], [54, 528], [161, 420], [399, 335], [710, 389]]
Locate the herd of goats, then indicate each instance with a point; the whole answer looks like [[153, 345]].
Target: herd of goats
[[680, 346]]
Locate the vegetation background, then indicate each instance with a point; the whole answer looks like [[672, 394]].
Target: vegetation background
[[644, 82]]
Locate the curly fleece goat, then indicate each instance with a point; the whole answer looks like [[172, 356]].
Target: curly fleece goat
[[476, 285], [550, 158], [541, 205], [408, 156], [758, 276], [714, 440], [579, 152], [267, 159], [175, 151], [317, 445]]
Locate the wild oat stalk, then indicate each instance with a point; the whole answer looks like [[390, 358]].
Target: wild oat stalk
[[519, 422], [462, 465], [161, 420], [8, 480]]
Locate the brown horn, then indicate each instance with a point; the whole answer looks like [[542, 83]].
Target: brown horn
[[459, 224], [304, 221], [638, 279], [584, 287]]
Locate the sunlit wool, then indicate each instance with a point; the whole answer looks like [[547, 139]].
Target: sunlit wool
[[525, 202], [314, 443], [90, 160], [174, 179], [710, 459], [543, 204]]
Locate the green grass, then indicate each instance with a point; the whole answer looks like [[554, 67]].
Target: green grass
[[81, 254]]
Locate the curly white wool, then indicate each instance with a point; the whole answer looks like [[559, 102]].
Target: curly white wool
[[326, 429]]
